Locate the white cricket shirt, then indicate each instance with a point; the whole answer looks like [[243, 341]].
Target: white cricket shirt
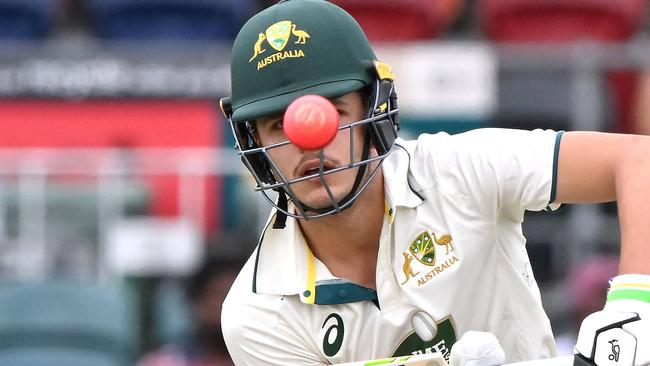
[[452, 258]]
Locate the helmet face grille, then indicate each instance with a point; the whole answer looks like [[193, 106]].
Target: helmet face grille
[[380, 129]]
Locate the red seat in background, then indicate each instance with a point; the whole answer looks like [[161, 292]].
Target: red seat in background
[[570, 21], [560, 20], [400, 20]]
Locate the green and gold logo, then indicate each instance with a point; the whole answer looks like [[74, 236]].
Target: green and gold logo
[[423, 248], [278, 36]]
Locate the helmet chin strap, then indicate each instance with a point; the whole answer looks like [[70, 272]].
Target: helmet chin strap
[[281, 217]]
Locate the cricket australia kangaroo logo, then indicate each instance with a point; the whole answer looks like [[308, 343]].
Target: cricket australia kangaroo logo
[[278, 36], [406, 268], [423, 248]]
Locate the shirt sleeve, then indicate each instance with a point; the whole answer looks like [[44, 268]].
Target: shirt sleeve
[[502, 169]]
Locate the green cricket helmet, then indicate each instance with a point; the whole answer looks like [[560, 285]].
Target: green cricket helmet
[[300, 47]]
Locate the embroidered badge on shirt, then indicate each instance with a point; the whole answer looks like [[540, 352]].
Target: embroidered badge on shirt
[[431, 258]]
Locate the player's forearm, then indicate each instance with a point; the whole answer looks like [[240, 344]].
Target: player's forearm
[[633, 196]]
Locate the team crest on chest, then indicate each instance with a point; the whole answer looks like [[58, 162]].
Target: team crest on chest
[[423, 250], [429, 263]]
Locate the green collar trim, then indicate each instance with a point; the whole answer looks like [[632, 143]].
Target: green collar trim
[[342, 292]]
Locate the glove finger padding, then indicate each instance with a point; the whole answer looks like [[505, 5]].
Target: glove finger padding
[[641, 331], [477, 349], [620, 333], [604, 341]]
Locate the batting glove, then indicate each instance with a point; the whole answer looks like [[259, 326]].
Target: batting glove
[[477, 349], [618, 335]]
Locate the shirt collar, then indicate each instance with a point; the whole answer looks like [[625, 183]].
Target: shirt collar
[[286, 266], [400, 186]]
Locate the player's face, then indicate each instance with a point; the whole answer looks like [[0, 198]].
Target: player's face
[[294, 162]]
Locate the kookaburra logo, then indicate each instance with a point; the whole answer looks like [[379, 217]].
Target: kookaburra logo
[[277, 36]]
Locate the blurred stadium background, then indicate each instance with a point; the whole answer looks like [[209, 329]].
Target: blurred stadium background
[[117, 173]]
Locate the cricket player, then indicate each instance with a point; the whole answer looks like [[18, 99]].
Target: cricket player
[[378, 246]]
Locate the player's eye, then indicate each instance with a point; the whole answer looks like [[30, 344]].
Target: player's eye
[[270, 127], [344, 113]]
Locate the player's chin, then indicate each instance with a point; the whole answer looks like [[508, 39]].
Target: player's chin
[[318, 198]]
